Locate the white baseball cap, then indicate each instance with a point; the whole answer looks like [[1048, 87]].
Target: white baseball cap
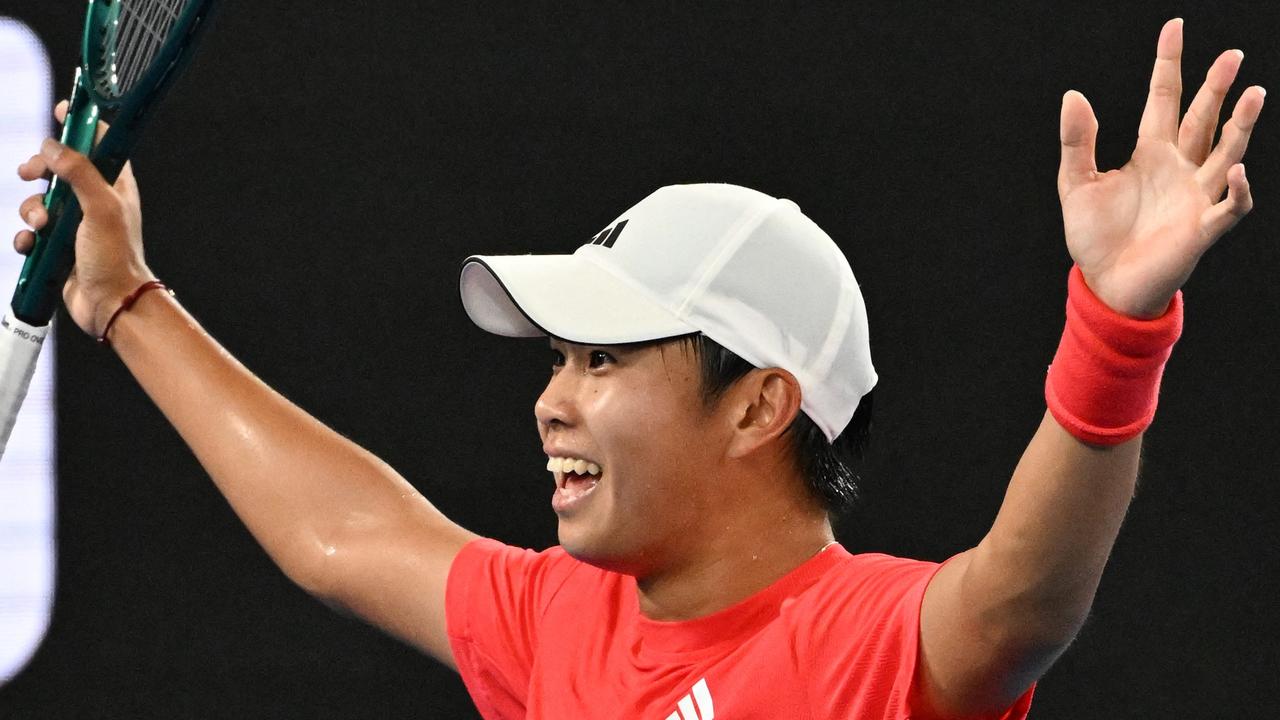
[[747, 270]]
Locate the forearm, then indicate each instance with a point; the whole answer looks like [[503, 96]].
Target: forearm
[[1040, 564], [298, 486], [1023, 593], [996, 616]]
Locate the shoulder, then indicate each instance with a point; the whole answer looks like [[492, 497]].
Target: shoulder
[[864, 589], [491, 566], [857, 632], [872, 573]]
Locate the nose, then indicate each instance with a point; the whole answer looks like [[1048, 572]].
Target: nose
[[555, 406]]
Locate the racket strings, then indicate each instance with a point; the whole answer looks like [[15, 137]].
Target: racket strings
[[144, 28]]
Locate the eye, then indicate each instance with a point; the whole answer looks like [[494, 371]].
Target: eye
[[557, 358], [600, 357]]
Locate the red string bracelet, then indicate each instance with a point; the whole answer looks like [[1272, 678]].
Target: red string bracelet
[[128, 303]]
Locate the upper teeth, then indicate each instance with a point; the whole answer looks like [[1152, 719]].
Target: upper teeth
[[572, 465]]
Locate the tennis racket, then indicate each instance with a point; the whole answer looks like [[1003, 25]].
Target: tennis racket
[[131, 52]]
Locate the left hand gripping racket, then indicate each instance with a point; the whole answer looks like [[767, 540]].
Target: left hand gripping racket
[[131, 52]]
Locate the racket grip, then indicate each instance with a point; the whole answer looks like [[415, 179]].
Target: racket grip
[[51, 258], [20, 346], [78, 130]]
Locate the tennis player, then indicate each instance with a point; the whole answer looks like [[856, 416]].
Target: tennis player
[[711, 374]]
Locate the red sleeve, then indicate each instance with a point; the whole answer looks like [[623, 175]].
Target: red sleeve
[[494, 601], [862, 651]]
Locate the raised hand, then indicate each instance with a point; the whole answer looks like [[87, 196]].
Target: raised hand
[[109, 260], [1138, 232]]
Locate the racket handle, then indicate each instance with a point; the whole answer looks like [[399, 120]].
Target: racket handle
[[40, 285], [51, 258], [20, 346]]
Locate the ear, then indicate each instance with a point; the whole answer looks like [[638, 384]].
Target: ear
[[764, 403]]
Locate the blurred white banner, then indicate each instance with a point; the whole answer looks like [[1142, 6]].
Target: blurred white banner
[[26, 471]]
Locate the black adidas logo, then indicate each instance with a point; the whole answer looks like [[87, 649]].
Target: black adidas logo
[[609, 235]]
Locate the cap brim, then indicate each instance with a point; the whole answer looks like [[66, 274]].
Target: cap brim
[[563, 296]]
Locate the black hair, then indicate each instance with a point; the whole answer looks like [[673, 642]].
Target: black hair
[[827, 467]]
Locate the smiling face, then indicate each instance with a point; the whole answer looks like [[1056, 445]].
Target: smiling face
[[635, 412]]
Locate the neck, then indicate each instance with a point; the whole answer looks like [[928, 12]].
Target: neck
[[732, 566]]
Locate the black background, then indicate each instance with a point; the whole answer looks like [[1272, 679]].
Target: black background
[[313, 184]]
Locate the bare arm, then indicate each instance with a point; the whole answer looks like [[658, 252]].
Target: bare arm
[[997, 616], [338, 521]]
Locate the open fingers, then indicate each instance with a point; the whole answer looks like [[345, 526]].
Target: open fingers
[[1195, 136], [1221, 217], [1160, 116], [1212, 176]]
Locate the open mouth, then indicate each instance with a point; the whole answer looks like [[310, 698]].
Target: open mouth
[[575, 479]]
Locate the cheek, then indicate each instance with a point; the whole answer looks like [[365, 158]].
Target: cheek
[[664, 453], [641, 422], [629, 433]]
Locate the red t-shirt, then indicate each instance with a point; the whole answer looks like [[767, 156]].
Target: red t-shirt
[[541, 635]]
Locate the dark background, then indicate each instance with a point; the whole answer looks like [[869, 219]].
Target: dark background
[[313, 184]]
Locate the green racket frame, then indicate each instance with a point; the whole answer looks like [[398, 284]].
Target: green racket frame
[[46, 269]]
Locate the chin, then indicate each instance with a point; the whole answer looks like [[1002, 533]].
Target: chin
[[592, 549]]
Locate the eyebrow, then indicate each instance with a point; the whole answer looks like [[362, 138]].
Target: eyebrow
[[556, 343]]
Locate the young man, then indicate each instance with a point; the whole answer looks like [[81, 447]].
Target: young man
[[696, 574]]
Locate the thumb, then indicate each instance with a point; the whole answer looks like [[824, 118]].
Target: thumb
[[90, 187], [127, 184], [1078, 134]]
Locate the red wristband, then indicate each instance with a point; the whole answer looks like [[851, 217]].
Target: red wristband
[[128, 303], [1105, 377]]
